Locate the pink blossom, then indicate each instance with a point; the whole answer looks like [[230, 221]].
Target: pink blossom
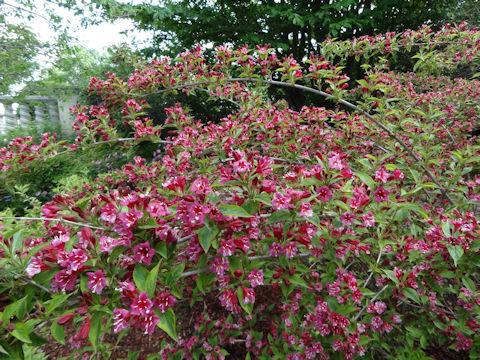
[[280, 201], [248, 295], [229, 300], [63, 281], [275, 249], [60, 239], [35, 266], [290, 249], [164, 301], [96, 281], [227, 248], [241, 166], [129, 219], [382, 175], [255, 278], [347, 218], [108, 213], [324, 193], [242, 243], [143, 253], [381, 194], [76, 259], [368, 220], [141, 305], [335, 162], [107, 244], [157, 209], [306, 210], [219, 265], [148, 322], [120, 320]]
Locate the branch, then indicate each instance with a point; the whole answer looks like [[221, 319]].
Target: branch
[[51, 219], [373, 299]]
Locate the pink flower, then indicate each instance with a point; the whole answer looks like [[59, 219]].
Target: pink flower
[[63, 281], [306, 210], [275, 249], [376, 323], [129, 219], [382, 175], [143, 253], [290, 249], [227, 248], [255, 278], [335, 162], [148, 322], [219, 265], [176, 184], [35, 266], [108, 213], [380, 307], [280, 201], [107, 243], [76, 259], [324, 193], [164, 301], [60, 239], [242, 243], [241, 166], [120, 320], [248, 295], [229, 300], [397, 174], [381, 194], [96, 281], [368, 220], [157, 209], [141, 305], [347, 218]]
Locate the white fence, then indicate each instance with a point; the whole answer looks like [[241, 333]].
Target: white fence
[[35, 111]]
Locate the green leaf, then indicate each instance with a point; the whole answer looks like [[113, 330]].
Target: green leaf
[[456, 252], [314, 219], [167, 323], [140, 275], [264, 198], [203, 280], [56, 302], [247, 307], [17, 242], [57, 332], [279, 216], [151, 281], [366, 179], [206, 235], [10, 311], [21, 332], [151, 223], [251, 207], [174, 275], [94, 332], [233, 210], [411, 294], [447, 229]]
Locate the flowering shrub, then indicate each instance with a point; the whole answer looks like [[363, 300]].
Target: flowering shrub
[[324, 233]]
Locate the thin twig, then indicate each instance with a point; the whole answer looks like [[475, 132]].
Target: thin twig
[[32, 282], [371, 272], [51, 219], [373, 299]]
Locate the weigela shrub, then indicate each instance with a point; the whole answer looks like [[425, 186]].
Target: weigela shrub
[[324, 233]]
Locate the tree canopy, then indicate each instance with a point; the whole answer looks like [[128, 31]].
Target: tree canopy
[[292, 25]]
